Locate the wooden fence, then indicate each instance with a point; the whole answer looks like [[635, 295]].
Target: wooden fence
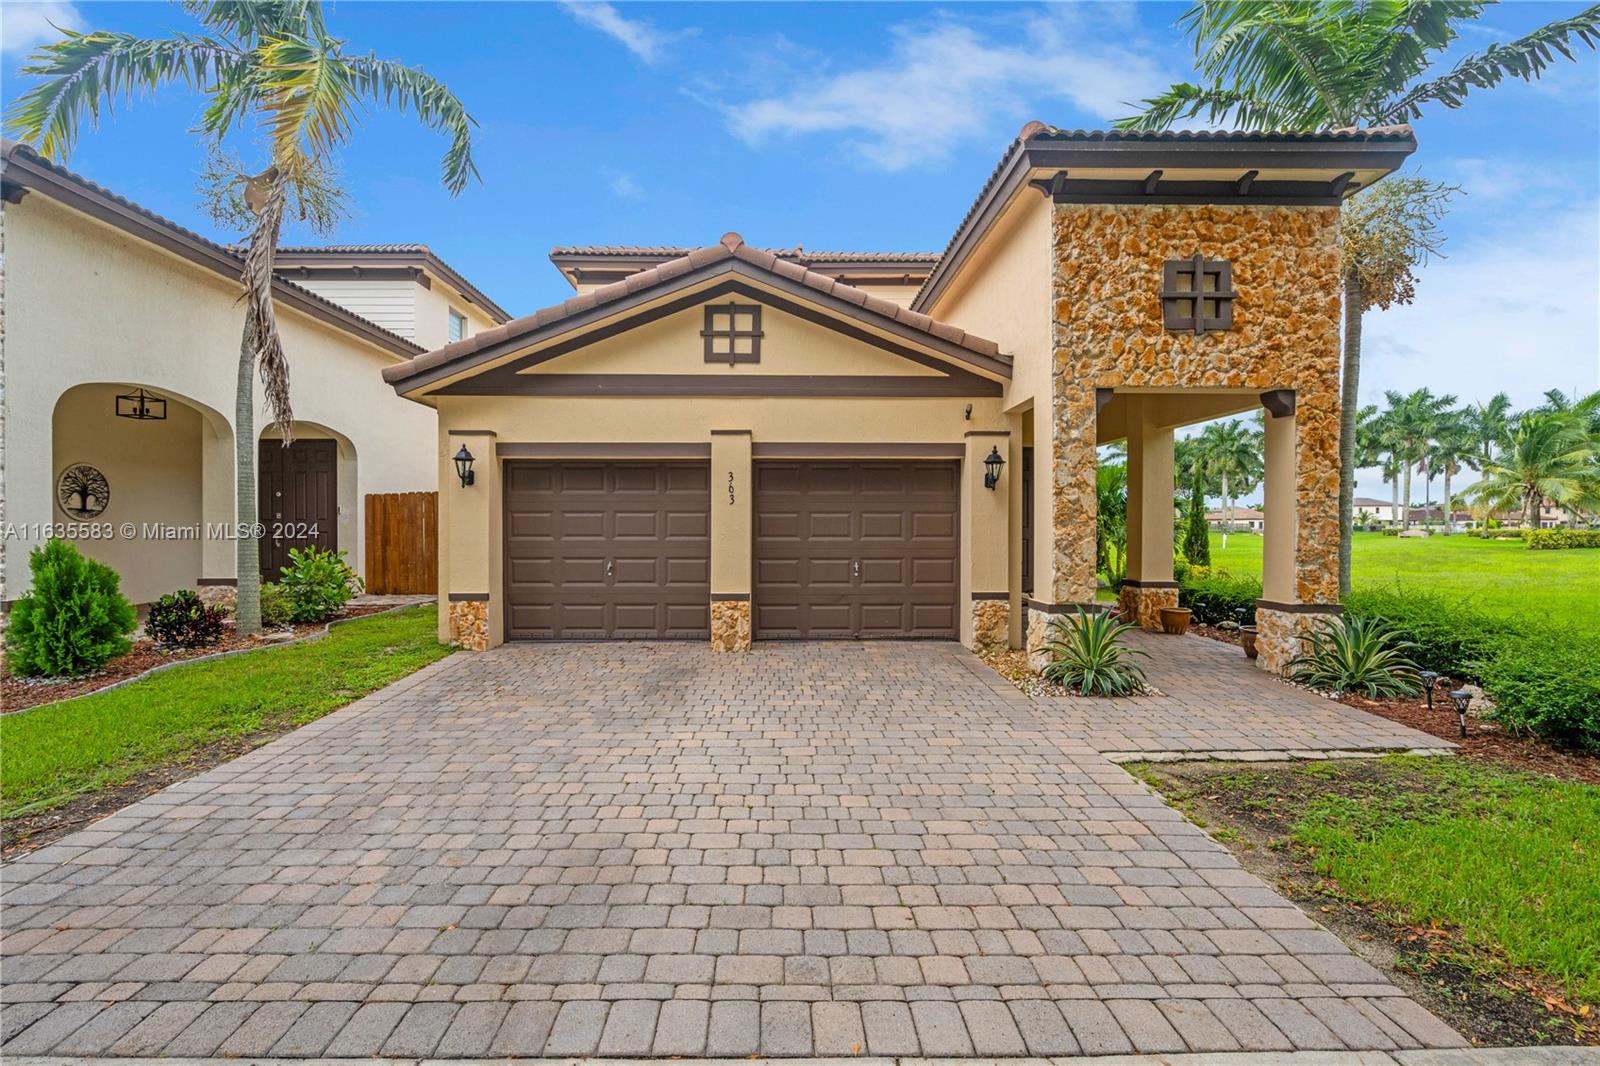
[[403, 543]]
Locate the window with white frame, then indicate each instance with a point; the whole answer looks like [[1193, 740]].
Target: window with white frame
[[458, 325]]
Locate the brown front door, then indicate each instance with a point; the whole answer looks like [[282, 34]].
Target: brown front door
[[603, 550], [860, 549], [298, 499]]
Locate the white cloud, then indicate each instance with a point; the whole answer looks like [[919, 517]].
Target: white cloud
[[1513, 311], [621, 183], [24, 26], [950, 80], [639, 36]]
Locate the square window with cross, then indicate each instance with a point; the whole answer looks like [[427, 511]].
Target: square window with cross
[[1197, 294], [733, 333]]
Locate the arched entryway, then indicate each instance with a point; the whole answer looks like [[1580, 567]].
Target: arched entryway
[[306, 494]]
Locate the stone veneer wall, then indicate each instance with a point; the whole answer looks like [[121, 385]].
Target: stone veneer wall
[[1142, 606], [1108, 333], [730, 625], [469, 624], [991, 624], [1279, 635]]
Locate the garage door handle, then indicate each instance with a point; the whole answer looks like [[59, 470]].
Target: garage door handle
[[608, 568], [855, 568]]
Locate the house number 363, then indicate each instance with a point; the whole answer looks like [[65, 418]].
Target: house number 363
[[730, 488]]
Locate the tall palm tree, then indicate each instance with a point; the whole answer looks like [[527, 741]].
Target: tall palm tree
[[1232, 452], [1455, 447], [268, 65], [1552, 455], [1413, 420], [1294, 65], [1490, 425]]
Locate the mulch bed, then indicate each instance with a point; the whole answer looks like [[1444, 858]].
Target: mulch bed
[[1485, 739], [20, 693]]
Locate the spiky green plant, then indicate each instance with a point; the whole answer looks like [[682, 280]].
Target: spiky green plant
[[1087, 655], [1357, 654]]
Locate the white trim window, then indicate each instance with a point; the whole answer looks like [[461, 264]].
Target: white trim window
[[458, 326]]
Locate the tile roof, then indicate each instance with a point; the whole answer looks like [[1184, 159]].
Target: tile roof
[[797, 254], [420, 254], [131, 217], [731, 246]]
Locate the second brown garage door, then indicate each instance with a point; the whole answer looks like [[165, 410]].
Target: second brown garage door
[[607, 550], [863, 549]]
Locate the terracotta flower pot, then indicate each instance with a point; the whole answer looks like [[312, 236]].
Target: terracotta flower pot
[[1247, 640], [1175, 620]]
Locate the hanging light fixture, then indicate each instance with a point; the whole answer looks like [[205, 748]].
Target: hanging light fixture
[[141, 405]]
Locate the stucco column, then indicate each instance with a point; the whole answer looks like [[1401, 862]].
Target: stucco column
[[985, 540], [218, 494], [469, 516], [1299, 542], [1149, 585], [1066, 512], [731, 511]]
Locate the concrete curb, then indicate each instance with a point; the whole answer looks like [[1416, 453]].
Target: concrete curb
[[317, 634]]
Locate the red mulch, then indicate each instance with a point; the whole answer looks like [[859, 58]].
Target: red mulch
[[1486, 740], [18, 693]]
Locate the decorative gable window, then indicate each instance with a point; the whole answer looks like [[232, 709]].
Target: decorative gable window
[[1197, 294], [733, 333]]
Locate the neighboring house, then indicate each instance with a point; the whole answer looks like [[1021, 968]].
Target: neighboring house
[[121, 353], [730, 444], [1244, 519], [1381, 512]]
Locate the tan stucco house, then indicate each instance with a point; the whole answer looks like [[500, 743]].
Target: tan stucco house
[[121, 334], [732, 444]]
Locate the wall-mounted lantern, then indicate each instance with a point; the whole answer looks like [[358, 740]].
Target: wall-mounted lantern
[[464, 466], [991, 468], [141, 405]]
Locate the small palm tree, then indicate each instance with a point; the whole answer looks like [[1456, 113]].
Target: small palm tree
[[1490, 425], [1413, 420], [1232, 452], [1552, 455], [274, 64]]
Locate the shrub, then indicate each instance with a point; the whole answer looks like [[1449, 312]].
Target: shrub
[[317, 584], [1357, 653], [1547, 681], [274, 606], [1447, 635], [1391, 531], [1087, 655], [1561, 538], [1217, 596], [73, 621], [182, 620]]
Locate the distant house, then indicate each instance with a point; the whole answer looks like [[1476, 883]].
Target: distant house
[[1245, 519]]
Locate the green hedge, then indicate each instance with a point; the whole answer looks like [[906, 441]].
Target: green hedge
[[1543, 677], [1561, 538]]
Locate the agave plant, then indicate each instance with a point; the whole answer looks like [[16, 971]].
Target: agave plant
[[1087, 655], [1361, 654]]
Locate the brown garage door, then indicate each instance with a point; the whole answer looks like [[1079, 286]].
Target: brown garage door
[[856, 549], [607, 550]]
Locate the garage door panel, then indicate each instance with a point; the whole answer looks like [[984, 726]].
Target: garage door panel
[[876, 554], [565, 523]]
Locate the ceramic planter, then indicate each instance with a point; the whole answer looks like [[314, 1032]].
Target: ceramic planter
[[1175, 620], [1247, 640]]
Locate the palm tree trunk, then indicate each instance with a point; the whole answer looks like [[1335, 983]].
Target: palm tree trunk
[[1405, 515], [1349, 397], [1449, 511], [1394, 495], [1227, 511]]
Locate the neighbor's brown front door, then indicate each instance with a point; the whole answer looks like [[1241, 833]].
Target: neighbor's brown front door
[[298, 496], [603, 550], [856, 548]]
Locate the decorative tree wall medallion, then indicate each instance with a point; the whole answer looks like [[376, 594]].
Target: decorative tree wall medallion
[[83, 491]]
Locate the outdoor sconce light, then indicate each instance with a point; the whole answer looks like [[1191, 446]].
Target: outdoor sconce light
[[1461, 698], [991, 468], [1429, 679], [464, 466]]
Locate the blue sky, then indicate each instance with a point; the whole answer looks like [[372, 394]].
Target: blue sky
[[870, 126]]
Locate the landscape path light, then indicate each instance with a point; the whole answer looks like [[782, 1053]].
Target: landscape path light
[[1461, 698], [1429, 679]]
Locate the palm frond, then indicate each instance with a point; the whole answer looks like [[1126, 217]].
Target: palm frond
[[438, 108], [249, 21], [1184, 101], [84, 72], [1526, 58], [309, 97]]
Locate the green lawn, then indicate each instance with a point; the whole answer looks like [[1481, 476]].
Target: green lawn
[[1511, 860], [1500, 576], [55, 752]]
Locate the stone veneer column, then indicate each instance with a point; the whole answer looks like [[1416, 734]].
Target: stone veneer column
[[731, 511], [986, 542], [1066, 514], [1150, 585], [1301, 535], [470, 521]]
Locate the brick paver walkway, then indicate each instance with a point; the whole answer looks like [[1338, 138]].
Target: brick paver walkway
[[632, 849], [1214, 702]]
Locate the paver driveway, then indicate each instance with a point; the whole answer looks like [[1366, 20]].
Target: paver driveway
[[634, 849]]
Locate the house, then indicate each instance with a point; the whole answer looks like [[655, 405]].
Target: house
[[1239, 520], [728, 443], [1381, 512], [121, 355]]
